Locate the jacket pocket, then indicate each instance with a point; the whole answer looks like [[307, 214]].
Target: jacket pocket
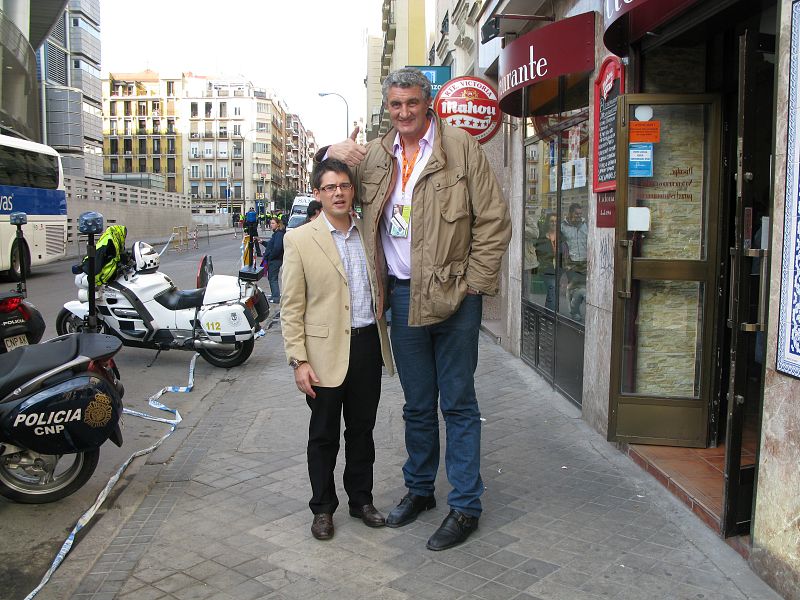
[[451, 193], [316, 330], [447, 289], [370, 187]]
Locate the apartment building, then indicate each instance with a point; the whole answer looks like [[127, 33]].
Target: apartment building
[[70, 87], [143, 130], [297, 174], [404, 43]]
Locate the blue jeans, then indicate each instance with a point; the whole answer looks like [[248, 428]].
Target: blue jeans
[[273, 271], [437, 362]]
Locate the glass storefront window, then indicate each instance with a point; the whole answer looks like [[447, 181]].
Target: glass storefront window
[[573, 228], [541, 223]]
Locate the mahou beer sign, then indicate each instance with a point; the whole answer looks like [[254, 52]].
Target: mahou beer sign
[[469, 103]]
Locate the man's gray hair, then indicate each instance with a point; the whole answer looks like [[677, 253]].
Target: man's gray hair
[[405, 78]]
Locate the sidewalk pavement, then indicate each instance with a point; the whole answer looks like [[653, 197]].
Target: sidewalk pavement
[[221, 510]]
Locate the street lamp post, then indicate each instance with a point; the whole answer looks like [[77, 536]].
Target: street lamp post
[[347, 109]]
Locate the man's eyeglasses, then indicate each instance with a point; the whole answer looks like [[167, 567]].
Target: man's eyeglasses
[[331, 187]]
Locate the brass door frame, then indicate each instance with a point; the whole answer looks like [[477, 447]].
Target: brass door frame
[[695, 411]]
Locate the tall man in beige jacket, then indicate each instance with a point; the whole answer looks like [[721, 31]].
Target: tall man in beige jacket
[[438, 226], [336, 344]]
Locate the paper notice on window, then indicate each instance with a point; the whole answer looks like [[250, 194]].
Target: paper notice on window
[[566, 175], [580, 172]]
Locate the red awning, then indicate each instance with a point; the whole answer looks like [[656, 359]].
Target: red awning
[[625, 21], [561, 48]]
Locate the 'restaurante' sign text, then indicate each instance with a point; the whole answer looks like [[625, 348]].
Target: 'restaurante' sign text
[[534, 68]]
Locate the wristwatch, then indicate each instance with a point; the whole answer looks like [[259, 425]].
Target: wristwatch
[[295, 364]]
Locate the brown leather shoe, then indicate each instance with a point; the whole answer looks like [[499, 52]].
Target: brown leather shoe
[[322, 527], [369, 514]]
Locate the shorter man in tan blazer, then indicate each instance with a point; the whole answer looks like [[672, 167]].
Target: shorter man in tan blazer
[[335, 345]]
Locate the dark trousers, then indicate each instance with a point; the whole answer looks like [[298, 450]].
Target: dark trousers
[[357, 398]]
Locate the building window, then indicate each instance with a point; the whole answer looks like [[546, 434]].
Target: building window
[[171, 184], [170, 145], [112, 108], [223, 172], [170, 126], [114, 165], [209, 190], [223, 110], [156, 127], [127, 108], [142, 165], [114, 146], [170, 88], [194, 109], [237, 111], [195, 172], [156, 165], [170, 165], [208, 110], [209, 171], [127, 145], [142, 145], [156, 146], [237, 130], [129, 165]]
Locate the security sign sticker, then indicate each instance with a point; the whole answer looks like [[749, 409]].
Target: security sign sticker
[[471, 104]]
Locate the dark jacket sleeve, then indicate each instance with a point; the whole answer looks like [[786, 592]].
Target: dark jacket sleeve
[[276, 247]]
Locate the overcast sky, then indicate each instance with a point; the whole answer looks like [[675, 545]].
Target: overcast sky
[[296, 47]]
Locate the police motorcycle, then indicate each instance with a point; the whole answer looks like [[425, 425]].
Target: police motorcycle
[[59, 402], [143, 308], [21, 323]]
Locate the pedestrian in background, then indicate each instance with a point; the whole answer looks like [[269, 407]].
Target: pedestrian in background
[[313, 210], [273, 256], [336, 345], [438, 179], [251, 229]]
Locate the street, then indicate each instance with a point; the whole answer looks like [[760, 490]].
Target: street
[[39, 531]]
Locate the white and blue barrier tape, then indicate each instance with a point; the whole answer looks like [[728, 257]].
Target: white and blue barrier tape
[[87, 516]]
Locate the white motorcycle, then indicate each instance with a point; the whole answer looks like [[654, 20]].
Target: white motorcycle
[[144, 309]]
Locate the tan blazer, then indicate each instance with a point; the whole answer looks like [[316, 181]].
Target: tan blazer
[[315, 303]]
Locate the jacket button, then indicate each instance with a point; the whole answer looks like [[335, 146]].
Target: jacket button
[[347, 307], [347, 331]]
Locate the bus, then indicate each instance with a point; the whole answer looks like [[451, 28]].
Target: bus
[[31, 181]]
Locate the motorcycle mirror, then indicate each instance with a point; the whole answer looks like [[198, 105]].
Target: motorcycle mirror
[[18, 218], [90, 222]]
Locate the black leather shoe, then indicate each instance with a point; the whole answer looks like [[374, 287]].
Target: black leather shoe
[[455, 529], [369, 514], [322, 527], [408, 509]]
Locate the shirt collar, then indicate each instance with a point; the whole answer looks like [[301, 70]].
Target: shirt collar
[[427, 139], [331, 228]]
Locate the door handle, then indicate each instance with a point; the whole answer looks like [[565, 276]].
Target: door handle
[[625, 292], [761, 324]]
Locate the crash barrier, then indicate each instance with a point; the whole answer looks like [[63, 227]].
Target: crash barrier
[[87, 516], [180, 238]]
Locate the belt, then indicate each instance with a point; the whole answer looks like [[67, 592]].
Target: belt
[[354, 331], [396, 281]]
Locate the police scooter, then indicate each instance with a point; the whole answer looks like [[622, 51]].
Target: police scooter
[[59, 402], [21, 323]]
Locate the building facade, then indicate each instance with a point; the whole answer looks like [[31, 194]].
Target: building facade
[[404, 43], [651, 276], [24, 25], [70, 89]]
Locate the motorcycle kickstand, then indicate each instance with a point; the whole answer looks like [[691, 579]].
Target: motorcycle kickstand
[[155, 358]]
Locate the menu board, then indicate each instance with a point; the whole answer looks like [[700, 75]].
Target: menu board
[[608, 86]]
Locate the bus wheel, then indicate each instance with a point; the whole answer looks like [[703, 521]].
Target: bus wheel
[[16, 266]]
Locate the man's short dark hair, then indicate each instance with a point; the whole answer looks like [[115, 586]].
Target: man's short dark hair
[[313, 208], [329, 164]]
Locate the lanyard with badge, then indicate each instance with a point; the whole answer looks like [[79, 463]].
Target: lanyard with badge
[[401, 213]]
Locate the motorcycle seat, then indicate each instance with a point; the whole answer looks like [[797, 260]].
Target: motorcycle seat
[[25, 363], [175, 299]]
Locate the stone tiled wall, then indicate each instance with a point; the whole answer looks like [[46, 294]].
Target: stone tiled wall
[[776, 531]]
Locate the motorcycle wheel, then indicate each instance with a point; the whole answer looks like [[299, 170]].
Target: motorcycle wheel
[[16, 265], [66, 322], [28, 483], [226, 360]]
